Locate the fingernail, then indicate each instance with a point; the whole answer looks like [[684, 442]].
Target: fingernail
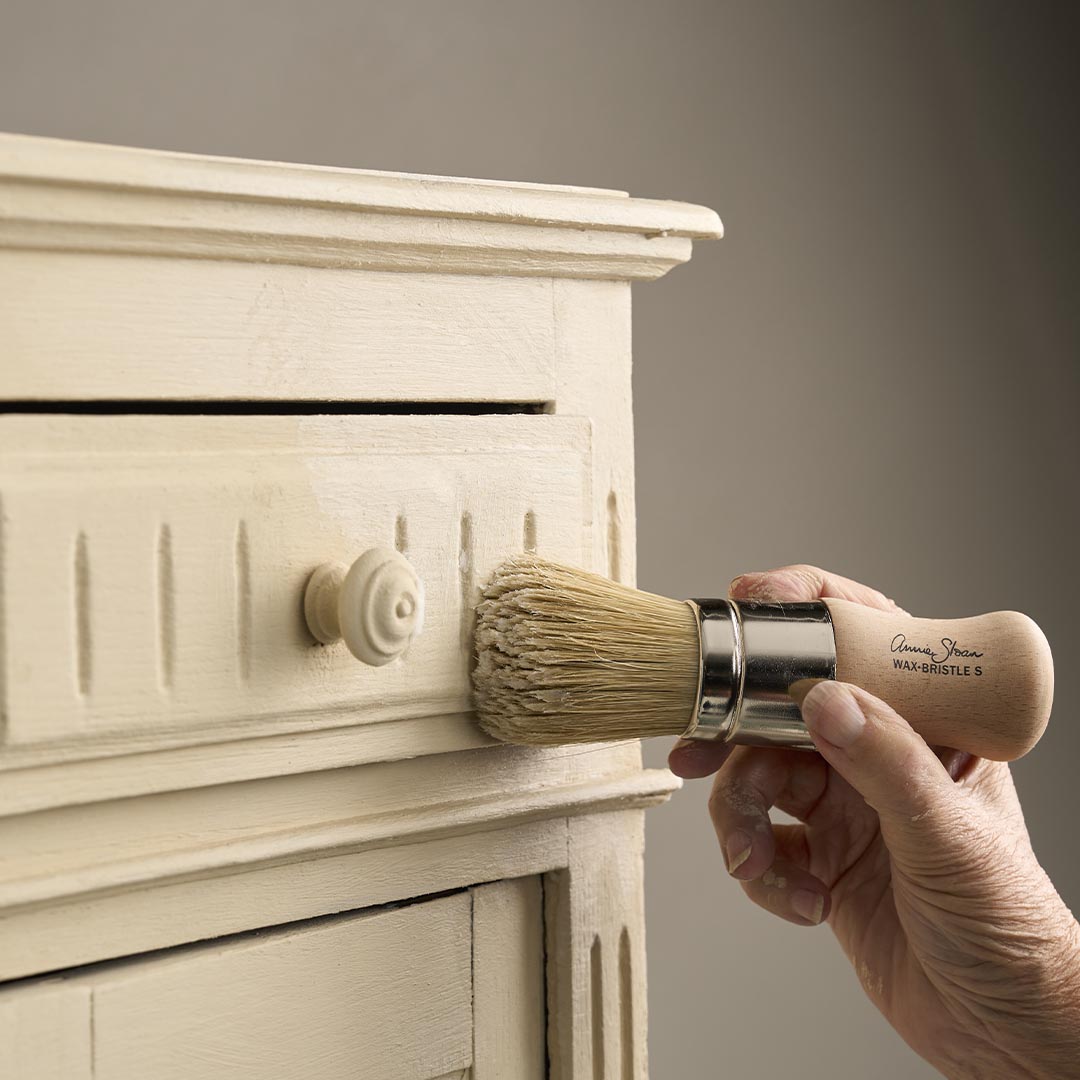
[[808, 905], [831, 712], [799, 690], [737, 849]]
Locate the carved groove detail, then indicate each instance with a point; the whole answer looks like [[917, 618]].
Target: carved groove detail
[[84, 646], [243, 601], [465, 577], [166, 608], [626, 1005], [596, 981], [529, 532], [614, 541], [401, 534]]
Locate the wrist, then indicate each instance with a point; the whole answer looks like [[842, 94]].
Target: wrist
[[1043, 1038], [1062, 976], [1020, 1013]]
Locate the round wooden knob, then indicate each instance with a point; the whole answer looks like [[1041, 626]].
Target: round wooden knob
[[376, 605]]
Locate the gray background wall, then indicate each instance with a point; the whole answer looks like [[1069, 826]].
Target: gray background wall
[[884, 347]]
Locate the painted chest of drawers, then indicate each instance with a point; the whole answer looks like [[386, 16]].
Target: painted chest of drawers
[[227, 849]]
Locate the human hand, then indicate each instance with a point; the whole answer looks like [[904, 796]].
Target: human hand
[[918, 858]]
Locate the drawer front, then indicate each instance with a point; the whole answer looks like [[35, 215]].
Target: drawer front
[[154, 567], [385, 995], [106, 326], [452, 987]]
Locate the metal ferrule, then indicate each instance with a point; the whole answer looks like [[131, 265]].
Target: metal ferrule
[[751, 655]]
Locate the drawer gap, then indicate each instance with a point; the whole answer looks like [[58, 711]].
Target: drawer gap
[[281, 408], [256, 932]]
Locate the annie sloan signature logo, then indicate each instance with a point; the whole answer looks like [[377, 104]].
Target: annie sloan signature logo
[[948, 648], [937, 657]]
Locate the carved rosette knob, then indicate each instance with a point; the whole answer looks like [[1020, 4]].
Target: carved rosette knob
[[376, 605]]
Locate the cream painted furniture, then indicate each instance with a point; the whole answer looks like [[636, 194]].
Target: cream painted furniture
[[226, 849]]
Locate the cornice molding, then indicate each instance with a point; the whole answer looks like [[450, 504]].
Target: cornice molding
[[66, 196]]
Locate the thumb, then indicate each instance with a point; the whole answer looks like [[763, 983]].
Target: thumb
[[887, 762]]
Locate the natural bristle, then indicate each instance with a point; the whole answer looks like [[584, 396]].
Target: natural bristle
[[565, 656]]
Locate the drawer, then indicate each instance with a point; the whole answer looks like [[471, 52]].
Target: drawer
[[154, 567], [106, 326], [446, 988]]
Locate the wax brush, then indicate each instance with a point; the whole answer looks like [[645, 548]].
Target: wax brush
[[567, 656]]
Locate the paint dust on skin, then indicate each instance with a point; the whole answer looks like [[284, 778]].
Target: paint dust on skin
[[774, 880], [755, 586], [742, 802], [873, 984], [775, 883]]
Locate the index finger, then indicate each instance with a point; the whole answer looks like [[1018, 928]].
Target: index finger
[[801, 583]]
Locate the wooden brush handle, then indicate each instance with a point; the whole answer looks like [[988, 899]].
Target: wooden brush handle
[[984, 684]]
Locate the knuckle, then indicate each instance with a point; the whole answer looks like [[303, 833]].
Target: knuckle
[[805, 571], [731, 796], [801, 580]]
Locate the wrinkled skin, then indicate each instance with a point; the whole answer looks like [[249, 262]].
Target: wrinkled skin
[[919, 860]]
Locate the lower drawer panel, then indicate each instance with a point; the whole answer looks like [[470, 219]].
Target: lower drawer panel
[[153, 568], [444, 988], [384, 995]]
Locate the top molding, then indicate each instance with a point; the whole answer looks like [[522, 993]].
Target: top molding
[[72, 196]]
